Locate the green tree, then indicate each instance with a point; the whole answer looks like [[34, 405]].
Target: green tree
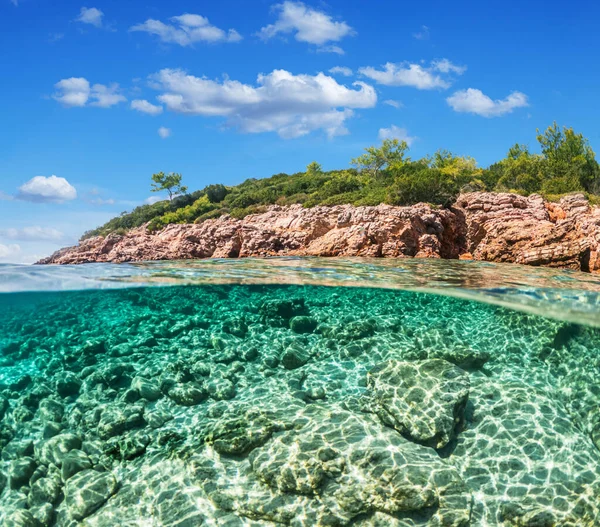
[[216, 193], [314, 169], [389, 155], [570, 159], [169, 182]]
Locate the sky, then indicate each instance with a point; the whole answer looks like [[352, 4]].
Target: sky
[[97, 97]]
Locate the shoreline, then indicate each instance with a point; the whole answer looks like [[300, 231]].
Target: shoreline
[[483, 226]]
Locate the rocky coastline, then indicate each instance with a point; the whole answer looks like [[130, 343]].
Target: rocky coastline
[[495, 227]]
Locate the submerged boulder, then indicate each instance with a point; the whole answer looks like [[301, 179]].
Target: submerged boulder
[[87, 491], [424, 401]]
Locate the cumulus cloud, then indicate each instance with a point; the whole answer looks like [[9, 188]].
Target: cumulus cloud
[[436, 75], [90, 15], [393, 103], [341, 70], [290, 105], [164, 132], [308, 25], [77, 91], [475, 101], [33, 233], [144, 106], [395, 132], [9, 252], [187, 29], [51, 189]]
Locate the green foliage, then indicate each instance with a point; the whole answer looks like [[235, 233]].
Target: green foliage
[[216, 193], [389, 155], [314, 169], [383, 174], [169, 182]]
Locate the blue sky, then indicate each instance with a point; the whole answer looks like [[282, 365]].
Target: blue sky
[[98, 96]]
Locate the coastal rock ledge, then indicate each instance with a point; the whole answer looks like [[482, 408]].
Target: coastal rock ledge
[[494, 227]]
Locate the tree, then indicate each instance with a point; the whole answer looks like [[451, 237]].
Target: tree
[[216, 193], [389, 155], [570, 159], [169, 182], [314, 169]]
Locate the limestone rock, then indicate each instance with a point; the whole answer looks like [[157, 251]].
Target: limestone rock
[[425, 400]]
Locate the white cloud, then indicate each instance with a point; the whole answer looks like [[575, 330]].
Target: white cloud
[[395, 132], [186, 30], [91, 16], [153, 199], [164, 132], [445, 66], [144, 106], [393, 103], [415, 75], [291, 105], [34, 233], [422, 34], [9, 252], [342, 70], [51, 189], [475, 101], [308, 25], [106, 96], [76, 91], [5, 197]]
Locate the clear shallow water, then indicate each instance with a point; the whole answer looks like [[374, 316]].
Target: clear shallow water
[[226, 399]]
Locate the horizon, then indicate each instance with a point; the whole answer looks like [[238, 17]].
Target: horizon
[[113, 93]]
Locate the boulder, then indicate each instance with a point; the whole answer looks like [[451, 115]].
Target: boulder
[[424, 400]]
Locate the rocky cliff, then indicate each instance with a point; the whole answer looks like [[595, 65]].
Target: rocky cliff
[[482, 226]]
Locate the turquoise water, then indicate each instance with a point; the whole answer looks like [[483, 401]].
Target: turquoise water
[[299, 392]]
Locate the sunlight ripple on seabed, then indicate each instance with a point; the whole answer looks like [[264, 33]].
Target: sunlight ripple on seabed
[[228, 400]]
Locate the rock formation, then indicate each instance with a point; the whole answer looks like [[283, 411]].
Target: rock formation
[[482, 226]]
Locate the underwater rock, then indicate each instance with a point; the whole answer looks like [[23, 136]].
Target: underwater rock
[[425, 401], [21, 518], [75, 461], [303, 324], [221, 389], [44, 490], [51, 410], [87, 491], [54, 450], [240, 431], [188, 394], [67, 384], [294, 357], [20, 471], [533, 455], [464, 357], [283, 309], [116, 419], [146, 389], [356, 467]]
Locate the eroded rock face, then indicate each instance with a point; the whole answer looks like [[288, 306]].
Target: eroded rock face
[[344, 230], [425, 401], [530, 231], [496, 227]]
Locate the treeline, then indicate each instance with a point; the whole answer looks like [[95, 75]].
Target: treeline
[[386, 174]]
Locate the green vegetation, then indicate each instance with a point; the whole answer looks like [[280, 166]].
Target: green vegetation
[[383, 174], [169, 182]]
